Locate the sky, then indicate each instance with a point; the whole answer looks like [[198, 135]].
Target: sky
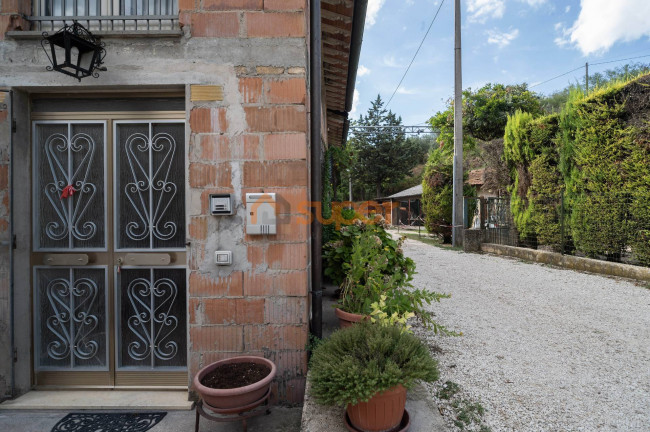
[[503, 41]]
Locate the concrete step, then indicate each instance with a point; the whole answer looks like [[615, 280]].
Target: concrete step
[[100, 400]]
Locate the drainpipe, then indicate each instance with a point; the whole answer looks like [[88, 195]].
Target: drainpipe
[[315, 92], [358, 25], [11, 244]]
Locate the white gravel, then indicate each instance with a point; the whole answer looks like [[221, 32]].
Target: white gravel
[[543, 349]]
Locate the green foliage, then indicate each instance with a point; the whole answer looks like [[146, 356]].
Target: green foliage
[[337, 253], [437, 193], [448, 390], [531, 153], [361, 360], [372, 279], [383, 157]]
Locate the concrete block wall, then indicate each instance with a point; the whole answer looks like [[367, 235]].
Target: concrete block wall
[[258, 145]]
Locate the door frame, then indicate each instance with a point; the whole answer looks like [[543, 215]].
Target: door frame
[[143, 379]]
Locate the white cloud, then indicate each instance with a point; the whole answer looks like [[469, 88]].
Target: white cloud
[[567, 9], [602, 23], [373, 9], [534, 3], [501, 39], [362, 71], [407, 91], [355, 102], [481, 10], [389, 61]]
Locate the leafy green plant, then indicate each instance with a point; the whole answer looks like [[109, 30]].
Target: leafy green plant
[[337, 253], [361, 360], [370, 277]]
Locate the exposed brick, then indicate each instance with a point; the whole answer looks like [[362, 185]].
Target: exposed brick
[[16, 7], [258, 284], [286, 91], [251, 147], [187, 5], [291, 284], [195, 310], [256, 256], [296, 70], [292, 228], [198, 229], [280, 24], [270, 174], [269, 70], [217, 338], [291, 200], [215, 24], [284, 4], [206, 120], [213, 148], [208, 286], [233, 4], [276, 119], [251, 89], [275, 338], [202, 175], [286, 310], [287, 256], [285, 146], [250, 311], [294, 390], [219, 311]]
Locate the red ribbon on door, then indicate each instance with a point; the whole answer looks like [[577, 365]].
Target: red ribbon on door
[[68, 191]]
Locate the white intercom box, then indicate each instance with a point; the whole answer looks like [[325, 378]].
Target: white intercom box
[[221, 204], [260, 214]]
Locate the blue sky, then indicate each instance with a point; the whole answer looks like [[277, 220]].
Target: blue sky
[[505, 41]]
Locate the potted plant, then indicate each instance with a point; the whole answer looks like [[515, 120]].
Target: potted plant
[[372, 275], [367, 368], [236, 382]]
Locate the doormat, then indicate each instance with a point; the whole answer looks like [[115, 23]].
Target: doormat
[[109, 422]]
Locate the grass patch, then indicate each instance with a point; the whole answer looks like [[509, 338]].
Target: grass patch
[[466, 414]]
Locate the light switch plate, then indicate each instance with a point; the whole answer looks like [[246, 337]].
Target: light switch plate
[[223, 258]]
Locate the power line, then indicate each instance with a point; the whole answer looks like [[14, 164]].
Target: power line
[[591, 64], [620, 60], [416, 53]]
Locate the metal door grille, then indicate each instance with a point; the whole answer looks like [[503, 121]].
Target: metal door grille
[[71, 312], [152, 330], [69, 186], [150, 178]]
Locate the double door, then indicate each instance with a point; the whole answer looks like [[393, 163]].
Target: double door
[[109, 277]]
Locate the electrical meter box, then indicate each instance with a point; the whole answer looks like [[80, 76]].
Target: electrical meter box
[[221, 204], [260, 214]]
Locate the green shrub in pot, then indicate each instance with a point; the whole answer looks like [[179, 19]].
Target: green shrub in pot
[[369, 281], [357, 362]]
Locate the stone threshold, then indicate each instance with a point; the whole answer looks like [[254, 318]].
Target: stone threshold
[[169, 400]]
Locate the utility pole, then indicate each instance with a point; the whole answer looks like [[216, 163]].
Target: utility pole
[[587, 78], [457, 212]]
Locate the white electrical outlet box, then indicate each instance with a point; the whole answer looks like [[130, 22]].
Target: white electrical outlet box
[[223, 258], [260, 214], [221, 204]]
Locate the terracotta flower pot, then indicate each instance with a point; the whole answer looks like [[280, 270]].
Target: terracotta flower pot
[[239, 396], [382, 413], [346, 319]]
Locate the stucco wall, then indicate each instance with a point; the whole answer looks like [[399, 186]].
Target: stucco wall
[[254, 140]]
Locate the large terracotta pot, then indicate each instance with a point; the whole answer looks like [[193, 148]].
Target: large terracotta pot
[[346, 319], [235, 397], [382, 413]]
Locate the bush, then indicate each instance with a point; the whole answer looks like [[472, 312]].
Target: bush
[[361, 360], [338, 252]]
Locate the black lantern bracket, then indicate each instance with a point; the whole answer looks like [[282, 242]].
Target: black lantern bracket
[[74, 51]]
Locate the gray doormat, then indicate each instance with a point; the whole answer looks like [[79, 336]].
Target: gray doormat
[[109, 422]]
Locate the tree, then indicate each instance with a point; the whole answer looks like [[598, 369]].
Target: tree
[[383, 157]]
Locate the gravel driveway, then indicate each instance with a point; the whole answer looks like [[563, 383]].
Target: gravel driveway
[[543, 349]]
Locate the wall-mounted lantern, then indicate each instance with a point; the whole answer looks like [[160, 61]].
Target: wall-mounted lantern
[[74, 51]]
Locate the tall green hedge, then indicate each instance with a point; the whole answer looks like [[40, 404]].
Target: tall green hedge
[[597, 150]]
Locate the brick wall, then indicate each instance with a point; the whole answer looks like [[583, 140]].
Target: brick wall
[[11, 12], [254, 142]]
